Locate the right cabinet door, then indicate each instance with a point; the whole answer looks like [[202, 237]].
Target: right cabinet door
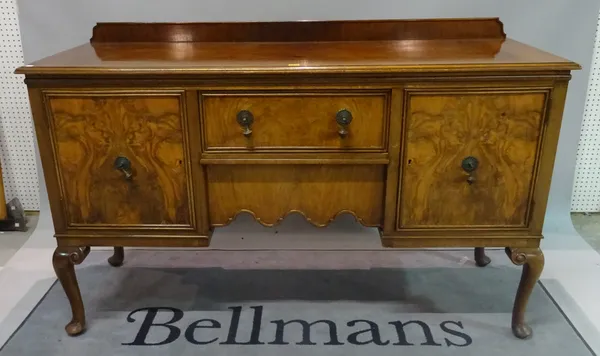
[[469, 158]]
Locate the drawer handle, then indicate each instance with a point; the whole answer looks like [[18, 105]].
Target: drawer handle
[[343, 118], [469, 165], [245, 119], [123, 164]]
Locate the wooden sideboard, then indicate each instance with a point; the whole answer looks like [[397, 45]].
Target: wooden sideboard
[[437, 132]]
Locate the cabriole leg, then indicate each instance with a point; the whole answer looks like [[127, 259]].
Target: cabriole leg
[[532, 260], [64, 261]]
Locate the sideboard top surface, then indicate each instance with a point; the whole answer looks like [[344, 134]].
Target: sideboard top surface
[[364, 46]]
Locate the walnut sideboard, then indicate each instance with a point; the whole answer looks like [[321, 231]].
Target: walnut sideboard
[[437, 132]]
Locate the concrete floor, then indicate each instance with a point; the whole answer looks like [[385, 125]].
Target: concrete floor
[[11, 241], [588, 226]]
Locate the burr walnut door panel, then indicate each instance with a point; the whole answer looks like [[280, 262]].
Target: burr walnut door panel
[[122, 159], [296, 121], [319, 192], [470, 158]]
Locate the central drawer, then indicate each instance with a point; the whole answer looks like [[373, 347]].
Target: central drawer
[[288, 121]]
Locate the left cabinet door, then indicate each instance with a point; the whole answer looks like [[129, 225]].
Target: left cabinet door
[[122, 159]]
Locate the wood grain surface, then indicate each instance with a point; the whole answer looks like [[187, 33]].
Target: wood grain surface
[[319, 192], [295, 121], [296, 31], [501, 130], [91, 131], [308, 47], [314, 59]]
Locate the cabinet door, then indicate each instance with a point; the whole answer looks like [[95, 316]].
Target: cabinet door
[[470, 158], [121, 159]]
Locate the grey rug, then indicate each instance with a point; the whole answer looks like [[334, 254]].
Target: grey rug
[[417, 304]]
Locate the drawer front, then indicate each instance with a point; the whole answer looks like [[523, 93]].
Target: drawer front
[[319, 192], [295, 121], [121, 159], [470, 159]]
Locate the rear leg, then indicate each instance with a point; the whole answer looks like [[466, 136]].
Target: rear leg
[[116, 260], [481, 259]]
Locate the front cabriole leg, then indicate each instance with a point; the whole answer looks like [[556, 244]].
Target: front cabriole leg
[[64, 260], [532, 260]]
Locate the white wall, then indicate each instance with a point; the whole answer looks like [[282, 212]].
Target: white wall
[[586, 187], [17, 150]]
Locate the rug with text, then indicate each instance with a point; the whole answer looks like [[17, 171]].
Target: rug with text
[[168, 303]]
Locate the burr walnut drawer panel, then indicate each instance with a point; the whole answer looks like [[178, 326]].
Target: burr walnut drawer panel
[[121, 159], [470, 158], [295, 121], [319, 192]]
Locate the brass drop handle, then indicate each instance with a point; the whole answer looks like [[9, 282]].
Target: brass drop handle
[[469, 165], [124, 165], [245, 119], [343, 118]]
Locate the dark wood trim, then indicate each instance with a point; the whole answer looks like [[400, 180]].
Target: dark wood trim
[[301, 31], [233, 81], [247, 72], [453, 241], [134, 240]]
